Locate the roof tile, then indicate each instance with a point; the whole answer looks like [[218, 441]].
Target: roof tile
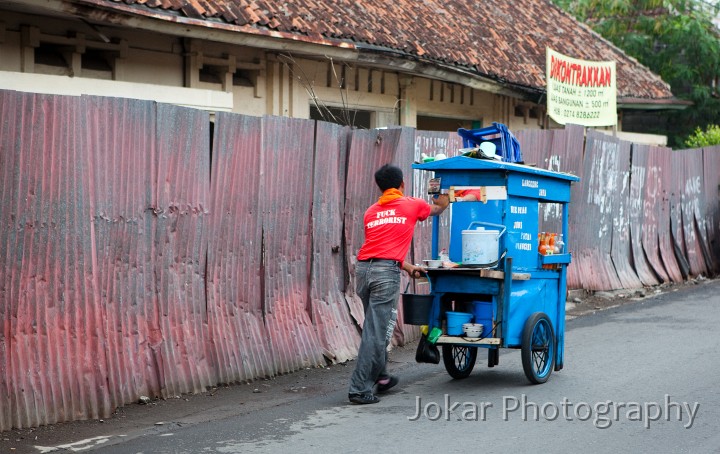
[[503, 40]]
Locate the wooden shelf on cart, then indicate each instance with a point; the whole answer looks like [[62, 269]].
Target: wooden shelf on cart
[[467, 340], [481, 272]]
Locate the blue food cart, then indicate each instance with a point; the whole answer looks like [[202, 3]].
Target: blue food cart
[[516, 293]]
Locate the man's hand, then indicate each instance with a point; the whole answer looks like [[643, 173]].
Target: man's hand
[[414, 271], [439, 204]]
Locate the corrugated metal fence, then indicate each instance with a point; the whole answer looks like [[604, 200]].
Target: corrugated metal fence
[[147, 251]]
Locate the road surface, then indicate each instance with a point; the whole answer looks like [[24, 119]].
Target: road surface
[[641, 377]]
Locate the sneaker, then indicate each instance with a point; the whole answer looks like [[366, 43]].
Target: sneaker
[[364, 398], [383, 384]]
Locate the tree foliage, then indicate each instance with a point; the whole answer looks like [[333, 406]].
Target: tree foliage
[[675, 39]]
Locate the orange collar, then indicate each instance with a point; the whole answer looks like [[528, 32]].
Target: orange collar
[[390, 195]]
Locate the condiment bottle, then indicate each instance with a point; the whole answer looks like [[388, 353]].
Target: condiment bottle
[[542, 246], [555, 249], [444, 257]]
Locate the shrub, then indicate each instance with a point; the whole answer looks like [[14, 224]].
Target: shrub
[[700, 138]]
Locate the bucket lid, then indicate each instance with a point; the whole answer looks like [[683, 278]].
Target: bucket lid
[[481, 231]]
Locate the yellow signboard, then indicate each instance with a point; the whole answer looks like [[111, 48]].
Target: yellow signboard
[[581, 92]]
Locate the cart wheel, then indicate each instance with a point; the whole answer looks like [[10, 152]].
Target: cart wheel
[[538, 348], [459, 360]]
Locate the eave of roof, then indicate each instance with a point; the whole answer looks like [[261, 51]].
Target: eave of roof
[[653, 104]]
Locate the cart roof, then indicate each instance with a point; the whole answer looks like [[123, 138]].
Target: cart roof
[[473, 164]]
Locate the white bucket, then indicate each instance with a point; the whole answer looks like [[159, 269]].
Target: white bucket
[[481, 246]]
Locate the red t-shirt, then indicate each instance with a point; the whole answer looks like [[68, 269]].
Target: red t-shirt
[[389, 228]]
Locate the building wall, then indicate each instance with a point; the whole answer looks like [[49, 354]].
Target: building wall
[[239, 79]]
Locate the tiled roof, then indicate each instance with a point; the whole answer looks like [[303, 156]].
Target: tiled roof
[[504, 40]]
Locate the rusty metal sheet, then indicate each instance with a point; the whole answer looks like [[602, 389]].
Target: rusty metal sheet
[[691, 201], [641, 209], [336, 330], [183, 199], [711, 210], [10, 122], [660, 249], [600, 180], [535, 145], [234, 275], [621, 251], [369, 149], [654, 228], [674, 183], [58, 266], [52, 337], [121, 151], [286, 204]]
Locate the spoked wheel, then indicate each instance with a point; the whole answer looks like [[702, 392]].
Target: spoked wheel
[[459, 360], [538, 348]]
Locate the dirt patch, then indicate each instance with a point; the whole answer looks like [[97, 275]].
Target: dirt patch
[[583, 302]]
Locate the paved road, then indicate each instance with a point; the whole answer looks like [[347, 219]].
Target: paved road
[[638, 378]]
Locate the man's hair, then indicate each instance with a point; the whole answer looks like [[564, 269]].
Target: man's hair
[[388, 176]]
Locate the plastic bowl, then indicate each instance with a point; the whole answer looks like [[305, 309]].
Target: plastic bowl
[[472, 329], [433, 263]]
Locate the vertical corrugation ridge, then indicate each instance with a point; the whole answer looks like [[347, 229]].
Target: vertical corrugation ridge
[[9, 128], [286, 206], [95, 321], [673, 263], [336, 329], [122, 149], [711, 208], [600, 181], [621, 251], [20, 355], [692, 200], [184, 157], [656, 241], [241, 341], [637, 212]]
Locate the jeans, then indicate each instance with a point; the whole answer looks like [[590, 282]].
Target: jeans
[[378, 285]]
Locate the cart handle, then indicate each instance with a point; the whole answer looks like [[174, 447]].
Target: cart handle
[[487, 223]]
